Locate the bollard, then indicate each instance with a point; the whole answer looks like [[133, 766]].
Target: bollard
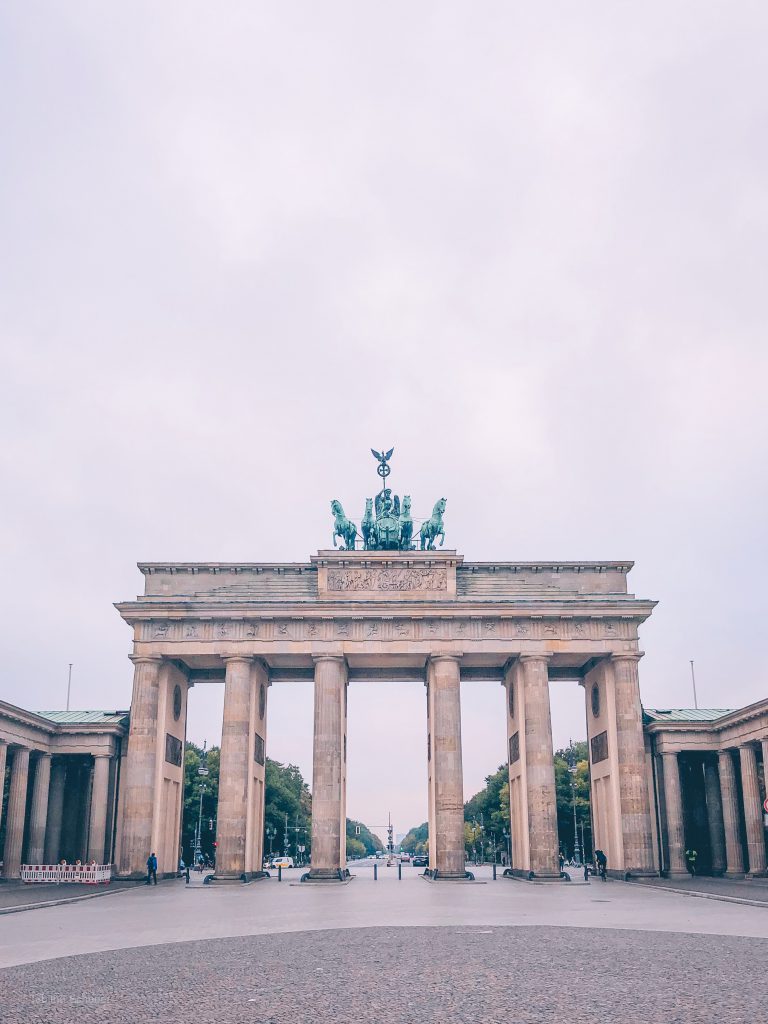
[[399, 871], [279, 872], [494, 871], [375, 872]]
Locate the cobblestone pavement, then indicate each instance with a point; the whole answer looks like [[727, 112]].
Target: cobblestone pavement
[[529, 975], [173, 912]]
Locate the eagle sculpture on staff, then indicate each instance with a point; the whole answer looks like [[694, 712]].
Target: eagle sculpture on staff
[[383, 469]]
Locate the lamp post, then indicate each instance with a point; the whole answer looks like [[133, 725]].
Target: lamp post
[[572, 768], [270, 831], [508, 841]]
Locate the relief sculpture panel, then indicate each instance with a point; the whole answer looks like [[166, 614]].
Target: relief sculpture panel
[[427, 580]]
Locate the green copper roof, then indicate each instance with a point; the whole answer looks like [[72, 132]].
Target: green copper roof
[[84, 717], [685, 714]]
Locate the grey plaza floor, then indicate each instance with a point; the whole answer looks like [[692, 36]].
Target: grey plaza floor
[[386, 951]]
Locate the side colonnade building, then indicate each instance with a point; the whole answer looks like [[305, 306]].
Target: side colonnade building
[[60, 778]]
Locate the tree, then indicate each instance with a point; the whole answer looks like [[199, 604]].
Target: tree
[[288, 803], [416, 841], [364, 844], [573, 756], [192, 785]]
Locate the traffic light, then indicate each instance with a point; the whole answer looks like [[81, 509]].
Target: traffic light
[[215, 844], [210, 824]]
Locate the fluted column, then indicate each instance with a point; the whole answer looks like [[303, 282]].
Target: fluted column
[[753, 810], [674, 804], [17, 806], [97, 827], [234, 770], [764, 744], [329, 832], [446, 841], [139, 794], [39, 810], [3, 758], [715, 818], [733, 852], [539, 768], [55, 812], [633, 784]]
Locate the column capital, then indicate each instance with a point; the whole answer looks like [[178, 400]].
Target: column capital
[[446, 656], [317, 658], [627, 655], [43, 753], [747, 745], [100, 753], [724, 755], [535, 656], [236, 658], [145, 659]]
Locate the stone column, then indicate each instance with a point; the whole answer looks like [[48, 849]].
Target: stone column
[[539, 768], [55, 812], [674, 804], [764, 744], [715, 818], [633, 786], [447, 770], [235, 769], [753, 810], [39, 810], [733, 852], [140, 794], [97, 827], [17, 806], [329, 832], [3, 757]]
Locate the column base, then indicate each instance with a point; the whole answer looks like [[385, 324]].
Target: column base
[[327, 876], [531, 876], [435, 875], [244, 877], [677, 874], [734, 874]]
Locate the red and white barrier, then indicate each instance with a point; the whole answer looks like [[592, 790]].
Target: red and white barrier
[[89, 874]]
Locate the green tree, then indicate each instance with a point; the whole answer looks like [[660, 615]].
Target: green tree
[[193, 783], [416, 842], [288, 810], [574, 756], [364, 843]]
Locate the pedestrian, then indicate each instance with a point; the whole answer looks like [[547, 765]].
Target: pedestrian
[[184, 869], [152, 868], [690, 856], [602, 864], [586, 871], [562, 861]]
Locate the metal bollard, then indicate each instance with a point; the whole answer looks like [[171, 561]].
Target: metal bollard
[[279, 872], [494, 871], [375, 872], [399, 871]]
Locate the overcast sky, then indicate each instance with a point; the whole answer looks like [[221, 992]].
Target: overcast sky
[[243, 243]]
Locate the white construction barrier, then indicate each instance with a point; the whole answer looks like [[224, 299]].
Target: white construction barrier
[[89, 874]]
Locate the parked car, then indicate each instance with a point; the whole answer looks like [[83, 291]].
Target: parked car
[[420, 862]]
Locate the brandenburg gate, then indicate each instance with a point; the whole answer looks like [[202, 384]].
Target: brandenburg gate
[[388, 611]]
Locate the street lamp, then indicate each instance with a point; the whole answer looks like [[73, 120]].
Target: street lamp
[[270, 832], [572, 768]]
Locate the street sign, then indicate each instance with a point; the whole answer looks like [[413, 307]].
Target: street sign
[[765, 805]]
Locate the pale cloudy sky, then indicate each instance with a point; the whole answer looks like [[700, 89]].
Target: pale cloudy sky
[[243, 243]]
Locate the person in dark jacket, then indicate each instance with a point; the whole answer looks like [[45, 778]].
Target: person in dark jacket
[[602, 863], [151, 869]]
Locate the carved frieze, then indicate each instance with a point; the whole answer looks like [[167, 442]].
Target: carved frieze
[[395, 580]]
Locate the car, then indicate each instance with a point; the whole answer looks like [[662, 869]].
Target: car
[[405, 858], [420, 862], [282, 862]]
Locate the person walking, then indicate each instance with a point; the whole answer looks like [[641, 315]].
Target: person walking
[[151, 869], [690, 857], [586, 870]]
